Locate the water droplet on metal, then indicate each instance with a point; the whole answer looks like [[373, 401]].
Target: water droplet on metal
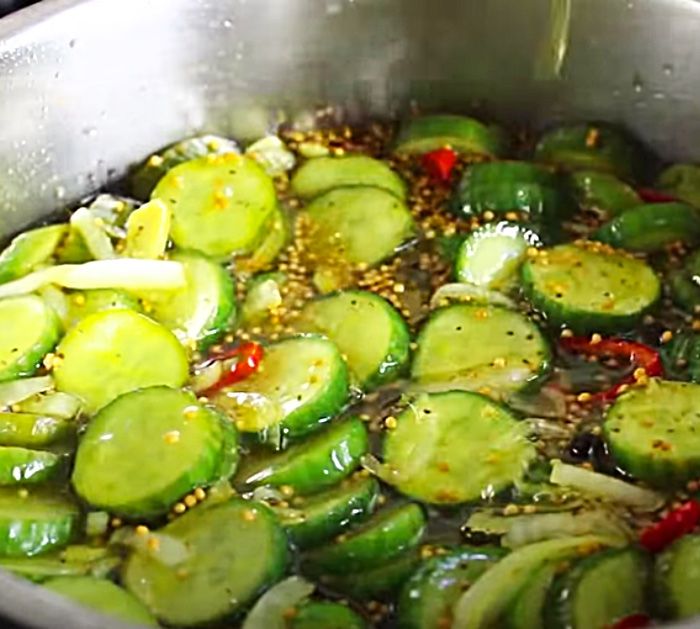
[[72, 43], [227, 23], [637, 83], [668, 69]]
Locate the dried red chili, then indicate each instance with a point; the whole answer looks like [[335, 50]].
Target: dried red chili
[[649, 195], [632, 622], [439, 164], [637, 354], [238, 364], [674, 524]]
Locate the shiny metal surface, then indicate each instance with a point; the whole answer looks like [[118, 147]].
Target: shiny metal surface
[[87, 87]]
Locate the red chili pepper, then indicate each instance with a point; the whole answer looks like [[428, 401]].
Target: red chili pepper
[[632, 622], [439, 164], [638, 354], [239, 363], [674, 524], [649, 195]]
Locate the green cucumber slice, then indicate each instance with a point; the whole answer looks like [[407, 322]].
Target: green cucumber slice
[[34, 521], [29, 250], [86, 302], [592, 146], [219, 204], [24, 466], [461, 133], [316, 463], [367, 329], [428, 596], [385, 536], [452, 353], [363, 225], [181, 444], [321, 174], [102, 596], [152, 170], [595, 190], [236, 550], [325, 615], [681, 356], [681, 181], [651, 227], [317, 518], [381, 582], [28, 430], [200, 313], [123, 343], [54, 404], [677, 579], [60, 564], [301, 384], [527, 609], [684, 291], [278, 235], [652, 432], [491, 255], [483, 604], [590, 288], [31, 329], [503, 187], [599, 590], [455, 447]]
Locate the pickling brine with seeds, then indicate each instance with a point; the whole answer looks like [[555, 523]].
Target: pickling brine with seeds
[[424, 377]]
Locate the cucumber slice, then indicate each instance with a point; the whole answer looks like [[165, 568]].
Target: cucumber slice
[[651, 227], [33, 522], [473, 347], [681, 181], [428, 596], [368, 331], [322, 174], [301, 384], [86, 302], [204, 310], [263, 297], [592, 146], [325, 615], [28, 430], [24, 466], [123, 343], [60, 564], [72, 249], [54, 404], [29, 250], [684, 291], [681, 357], [152, 170], [31, 329], [590, 288], [382, 582], [527, 610], [461, 133], [147, 231], [491, 255], [599, 590], [181, 445], [483, 604], [236, 550], [677, 579], [318, 462], [651, 432], [102, 596], [363, 225], [455, 447], [385, 536], [512, 186], [278, 235], [595, 190], [319, 517], [219, 204]]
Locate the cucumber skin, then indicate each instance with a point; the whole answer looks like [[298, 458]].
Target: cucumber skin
[[461, 564], [334, 453], [346, 504], [684, 292], [642, 228], [667, 605], [325, 615], [29, 249], [28, 430], [385, 536], [682, 181], [580, 321], [603, 191], [558, 610], [23, 466]]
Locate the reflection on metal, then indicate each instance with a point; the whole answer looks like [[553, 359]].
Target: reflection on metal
[[552, 53]]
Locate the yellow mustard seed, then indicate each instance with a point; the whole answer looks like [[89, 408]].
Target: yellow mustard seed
[[666, 336], [141, 529], [189, 500]]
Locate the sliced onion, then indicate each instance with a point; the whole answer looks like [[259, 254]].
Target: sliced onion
[[601, 486], [547, 428], [272, 154], [547, 402], [54, 404], [58, 300], [165, 549], [269, 611], [94, 236], [261, 299], [206, 377], [375, 467], [469, 293], [126, 273], [16, 391], [96, 523]]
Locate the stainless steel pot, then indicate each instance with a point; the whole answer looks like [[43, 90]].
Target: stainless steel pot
[[87, 87]]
